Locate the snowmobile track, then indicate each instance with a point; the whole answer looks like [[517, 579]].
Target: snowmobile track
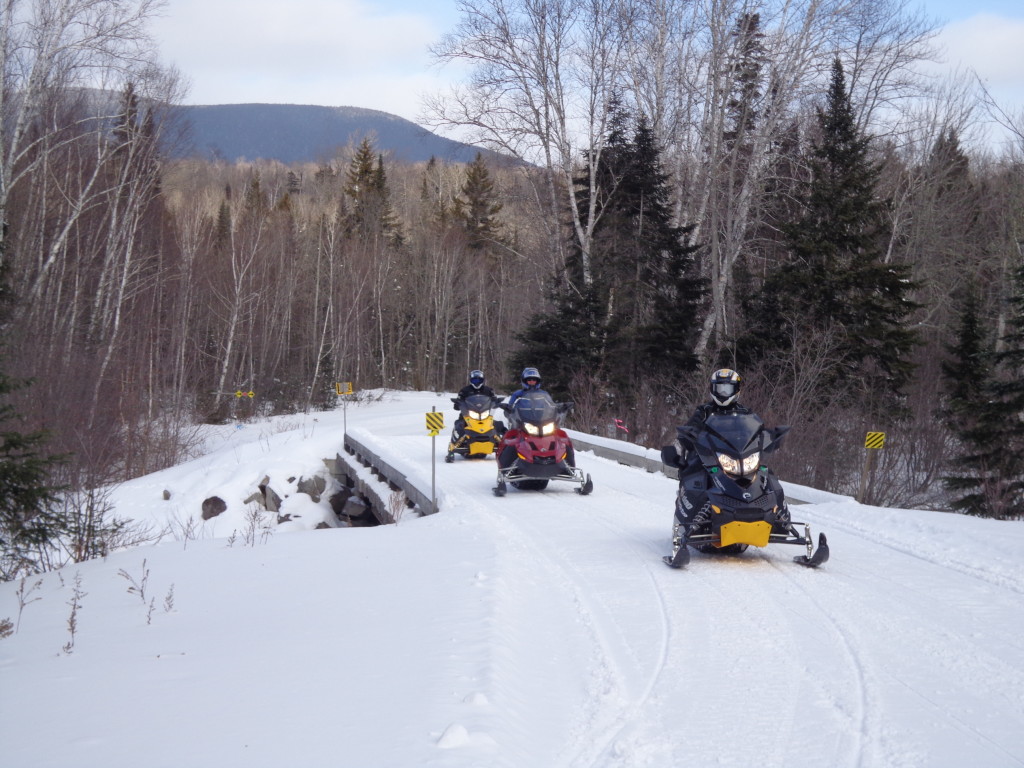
[[863, 725]]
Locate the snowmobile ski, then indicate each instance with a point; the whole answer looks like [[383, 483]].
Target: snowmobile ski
[[587, 487], [680, 559], [819, 557]]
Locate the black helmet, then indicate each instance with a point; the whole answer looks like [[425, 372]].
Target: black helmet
[[476, 378], [530, 373], [725, 386]]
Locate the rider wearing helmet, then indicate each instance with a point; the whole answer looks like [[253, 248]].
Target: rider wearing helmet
[[475, 386], [724, 390], [531, 380]]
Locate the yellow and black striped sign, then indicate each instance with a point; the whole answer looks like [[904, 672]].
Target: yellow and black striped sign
[[875, 440], [435, 422]]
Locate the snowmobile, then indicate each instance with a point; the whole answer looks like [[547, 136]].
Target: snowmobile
[[477, 435], [743, 502], [535, 449]]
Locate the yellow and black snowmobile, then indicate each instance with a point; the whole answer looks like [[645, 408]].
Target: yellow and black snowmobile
[[475, 434], [729, 499]]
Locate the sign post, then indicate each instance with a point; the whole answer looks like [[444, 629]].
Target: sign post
[[874, 441], [343, 390], [435, 423]]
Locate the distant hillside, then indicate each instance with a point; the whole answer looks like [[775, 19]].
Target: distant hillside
[[293, 133]]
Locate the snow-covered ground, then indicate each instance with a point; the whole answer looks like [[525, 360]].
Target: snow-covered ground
[[539, 630]]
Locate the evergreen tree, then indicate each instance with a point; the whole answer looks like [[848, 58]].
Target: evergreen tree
[[27, 497], [672, 290], [477, 208], [742, 107], [837, 279], [366, 186], [636, 316], [970, 410]]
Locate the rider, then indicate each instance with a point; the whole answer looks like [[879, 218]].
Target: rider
[[531, 383], [725, 391], [476, 386]]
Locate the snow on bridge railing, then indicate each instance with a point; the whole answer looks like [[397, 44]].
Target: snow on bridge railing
[[394, 477], [630, 454]]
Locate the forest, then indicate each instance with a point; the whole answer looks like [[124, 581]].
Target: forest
[[769, 186]]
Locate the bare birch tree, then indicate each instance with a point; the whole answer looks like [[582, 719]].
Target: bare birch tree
[[545, 75], [48, 48]]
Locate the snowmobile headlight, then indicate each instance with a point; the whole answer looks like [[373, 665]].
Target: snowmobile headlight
[[751, 463], [478, 415], [540, 429], [739, 467], [729, 464]]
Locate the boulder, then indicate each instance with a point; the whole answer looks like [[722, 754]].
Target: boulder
[[213, 506]]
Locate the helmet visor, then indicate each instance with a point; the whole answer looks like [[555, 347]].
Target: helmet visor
[[723, 390]]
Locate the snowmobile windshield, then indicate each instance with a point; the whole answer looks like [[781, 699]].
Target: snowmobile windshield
[[737, 434], [477, 403], [536, 408]]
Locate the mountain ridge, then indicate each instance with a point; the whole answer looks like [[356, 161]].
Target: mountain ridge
[[305, 133]]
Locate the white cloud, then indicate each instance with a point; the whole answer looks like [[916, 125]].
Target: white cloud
[[991, 45], [329, 52]]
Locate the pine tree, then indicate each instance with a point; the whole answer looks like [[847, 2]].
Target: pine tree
[[636, 316], [477, 208], [837, 279], [27, 495], [742, 107], [366, 186], [970, 410], [672, 289]]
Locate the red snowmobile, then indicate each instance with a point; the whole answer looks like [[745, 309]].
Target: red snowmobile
[[535, 449]]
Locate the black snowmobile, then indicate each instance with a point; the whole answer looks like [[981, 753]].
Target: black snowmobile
[[739, 501]]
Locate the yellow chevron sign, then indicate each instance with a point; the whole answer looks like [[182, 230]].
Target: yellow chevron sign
[[435, 422], [875, 440]]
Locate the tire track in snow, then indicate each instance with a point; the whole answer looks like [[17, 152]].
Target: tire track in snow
[[614, 705], [860, 717], [944, 560], [598, 749]]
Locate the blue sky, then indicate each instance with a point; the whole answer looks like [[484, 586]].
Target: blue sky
[[373, 53]]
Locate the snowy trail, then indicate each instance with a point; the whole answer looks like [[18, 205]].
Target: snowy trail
[[832, 667], [537, 629], [657, 634]]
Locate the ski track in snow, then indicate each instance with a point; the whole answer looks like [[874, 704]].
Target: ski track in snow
[[680, 636], [934, 555], [537, 629]]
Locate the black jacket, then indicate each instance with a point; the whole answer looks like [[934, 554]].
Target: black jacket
[[679, 454], [469, 390]]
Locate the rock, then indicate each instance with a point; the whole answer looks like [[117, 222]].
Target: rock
[[312, 487], [213, 506]]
